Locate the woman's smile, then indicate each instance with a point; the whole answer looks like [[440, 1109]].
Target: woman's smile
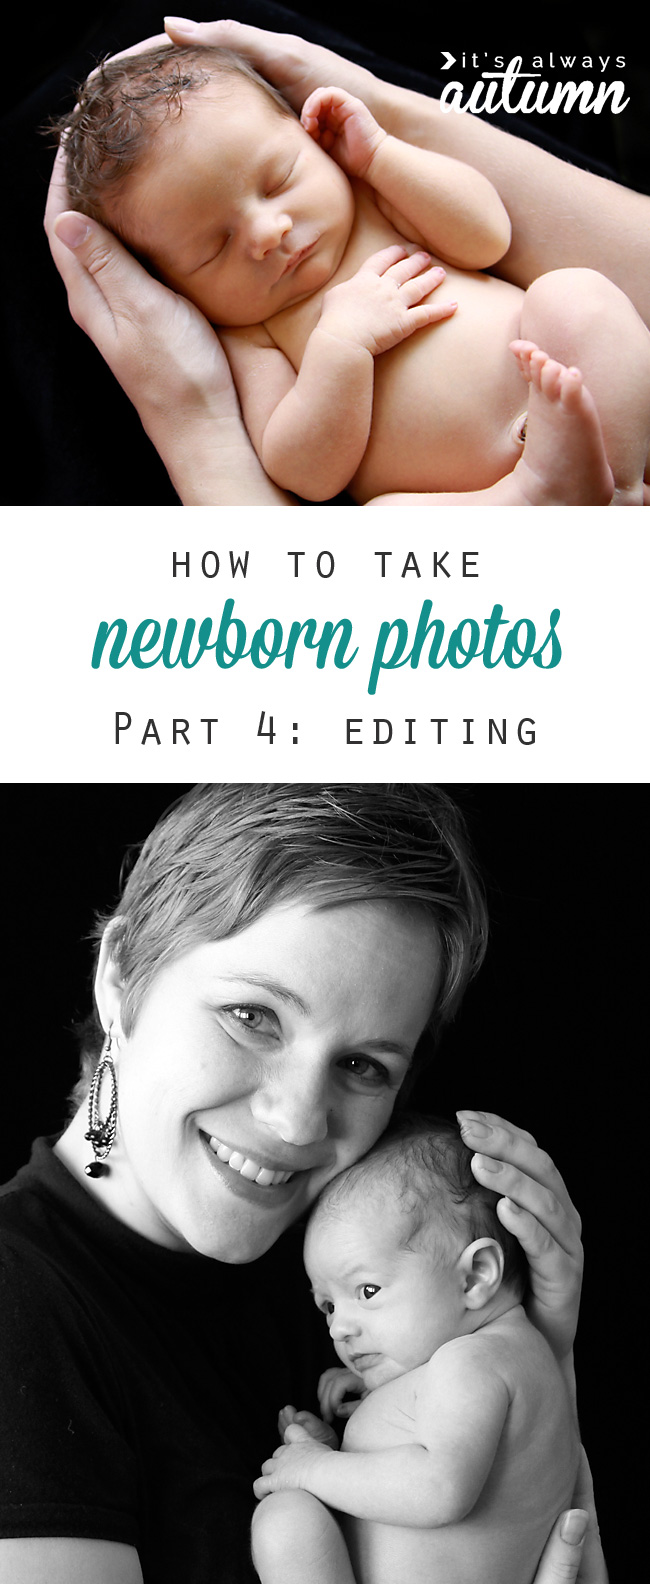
[[252, 1170]]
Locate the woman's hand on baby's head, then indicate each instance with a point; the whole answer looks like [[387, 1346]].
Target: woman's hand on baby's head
[[344, 128], [537, 1209]]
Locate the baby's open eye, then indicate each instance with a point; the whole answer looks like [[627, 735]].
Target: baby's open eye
[[369, 1290]]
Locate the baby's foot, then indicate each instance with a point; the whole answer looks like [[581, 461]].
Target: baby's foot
[[564, 461]]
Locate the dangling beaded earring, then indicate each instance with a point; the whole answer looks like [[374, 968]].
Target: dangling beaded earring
[[101, 1132]]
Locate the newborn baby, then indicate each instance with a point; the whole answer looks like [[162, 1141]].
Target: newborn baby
[[463, 1448], [344, 269]]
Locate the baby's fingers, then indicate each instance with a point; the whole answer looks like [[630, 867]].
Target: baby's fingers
[[416, 284]]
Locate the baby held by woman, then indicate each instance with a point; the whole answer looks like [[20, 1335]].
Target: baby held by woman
[[463, 1445], [344, 270]]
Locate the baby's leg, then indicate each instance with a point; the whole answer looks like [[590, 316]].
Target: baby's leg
[[564, 461], [296, 1540], [580, 318]]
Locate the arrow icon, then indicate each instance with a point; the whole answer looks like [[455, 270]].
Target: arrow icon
[[449, 60]]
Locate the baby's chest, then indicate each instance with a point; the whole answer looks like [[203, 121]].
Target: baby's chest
[[385, 1418], [371, 232]]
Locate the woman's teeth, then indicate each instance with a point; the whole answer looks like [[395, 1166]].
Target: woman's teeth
[[247, 1167]]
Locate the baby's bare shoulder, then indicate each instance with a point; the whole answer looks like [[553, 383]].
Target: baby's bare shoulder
[[504, 1347]]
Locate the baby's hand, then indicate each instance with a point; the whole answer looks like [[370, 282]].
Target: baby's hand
[[288, 1417], [383, 303], [344, 127], [333, 1386], [290, 1466]]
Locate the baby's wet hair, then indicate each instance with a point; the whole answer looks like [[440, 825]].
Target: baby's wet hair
[[124, 103], [423, 1164]]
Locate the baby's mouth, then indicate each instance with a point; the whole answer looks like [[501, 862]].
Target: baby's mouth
[[245, 1166], [359, 1362], [297, 258]]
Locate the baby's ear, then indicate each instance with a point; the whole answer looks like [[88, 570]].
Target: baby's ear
[[481, 1266]]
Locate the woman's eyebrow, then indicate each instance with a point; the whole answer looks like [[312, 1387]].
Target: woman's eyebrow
[[263, 982]]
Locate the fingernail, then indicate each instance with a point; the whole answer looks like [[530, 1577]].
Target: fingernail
[[574, 1526], [470, 1116], [485, 1163], [181, 24], [477, 1129], [514, 1209], [72, 229]]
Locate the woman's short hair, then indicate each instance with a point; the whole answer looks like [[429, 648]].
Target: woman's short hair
[[223, 854]]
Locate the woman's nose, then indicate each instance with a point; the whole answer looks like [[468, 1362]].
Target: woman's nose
[[294, 1107], [268, 226]]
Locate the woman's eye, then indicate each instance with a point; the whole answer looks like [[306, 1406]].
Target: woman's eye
[[370, 1073], [249, 1017], [369, 1290]]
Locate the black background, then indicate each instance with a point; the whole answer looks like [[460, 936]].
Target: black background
[[548, 1035]]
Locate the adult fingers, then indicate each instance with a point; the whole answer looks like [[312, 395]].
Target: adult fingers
[[515, 1150], [562, 1553], [109, 289]]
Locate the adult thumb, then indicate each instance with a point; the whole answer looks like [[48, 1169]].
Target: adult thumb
[[563, 1551]]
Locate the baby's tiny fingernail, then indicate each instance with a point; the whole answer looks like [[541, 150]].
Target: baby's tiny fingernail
[[485, 1163], [574, 1526]]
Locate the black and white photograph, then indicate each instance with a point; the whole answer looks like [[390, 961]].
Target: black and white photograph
[[287, 977]]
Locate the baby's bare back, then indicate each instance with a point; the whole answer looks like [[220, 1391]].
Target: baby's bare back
[[530, 1482], [446, 399]]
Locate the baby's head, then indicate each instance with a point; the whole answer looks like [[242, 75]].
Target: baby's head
[[405, 1251], [206, 174]]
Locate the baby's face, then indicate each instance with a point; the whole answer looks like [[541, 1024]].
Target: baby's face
[[388, 1307], [237, 208]]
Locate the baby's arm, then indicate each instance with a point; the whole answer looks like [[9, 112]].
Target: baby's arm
[[435, 1480], [431, 199], [310, 430]]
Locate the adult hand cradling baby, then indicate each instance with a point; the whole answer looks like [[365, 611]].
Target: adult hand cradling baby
[[195, 424]]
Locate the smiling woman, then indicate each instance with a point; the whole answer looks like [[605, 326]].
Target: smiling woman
[[278, 961]]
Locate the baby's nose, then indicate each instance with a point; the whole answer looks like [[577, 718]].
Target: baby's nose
[[267, 230], [342, 1325]]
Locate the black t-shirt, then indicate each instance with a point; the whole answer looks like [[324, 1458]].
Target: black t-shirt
[[139, 1387]]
